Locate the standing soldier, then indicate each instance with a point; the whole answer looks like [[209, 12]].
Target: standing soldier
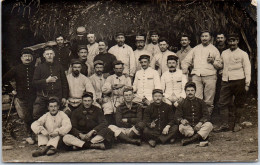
[[124, 53], [205, 59], [79, 40], [153, 47], [173, 82], [23, 76], [92, 48], [185, 48], [235, 82], [140, 43], [62, 53], [50, 80], [146, 80], [158, 117], [160, 59], [107, 58]]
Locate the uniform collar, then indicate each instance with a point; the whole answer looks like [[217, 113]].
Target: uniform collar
[[186, 49]]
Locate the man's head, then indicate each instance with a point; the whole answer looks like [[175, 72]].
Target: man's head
[[190, 90], [120, 39], [185, 40], [87, 99], [205, 37], [220, 39], [81, 31], [82, 52], [27, 56], [163, 44], [128, 94], [118, 68], [53, 105], [157, 96], [233, 40], [49, 54], [154, 37], [59, 40], [140, 42], [172, 62], [144, 61], [99, 67], [102, 46], [91, 38], [76, 67]]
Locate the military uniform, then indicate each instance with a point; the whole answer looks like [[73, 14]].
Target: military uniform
[[62, 56]]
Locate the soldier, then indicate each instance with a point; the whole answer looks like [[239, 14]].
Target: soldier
[[173, 82], [185, 48], [78, 84], [89, 127], [124, 53], [221, 42], [128, 116], [23, 76], [98, 79], [160, 59], [140, 43], [107, 58], [62, 53], [153, 47], [146, 80], [193, 117], [158, 118], [50, 128], [114, 86], [206, 61], [79, 40], [235, 83], [93, 49], [50, 80]]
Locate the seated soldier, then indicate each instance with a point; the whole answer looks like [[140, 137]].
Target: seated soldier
[[89, 127], [114, 86], [158, 118], [128, 116], [193, 116], [49, 128]]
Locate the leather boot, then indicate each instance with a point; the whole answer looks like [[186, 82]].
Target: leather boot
[[125, 138], [100, 146], [191, 139], [42, 150], [222, 128]]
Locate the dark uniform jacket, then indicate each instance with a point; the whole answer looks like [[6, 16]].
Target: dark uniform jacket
[[62, 56], [194, 111], [59, 88], [23, 76], [84, 120], [108, 60], [162, 115], [133, 115]]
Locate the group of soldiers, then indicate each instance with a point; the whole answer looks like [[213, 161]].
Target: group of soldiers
[[89, 96]]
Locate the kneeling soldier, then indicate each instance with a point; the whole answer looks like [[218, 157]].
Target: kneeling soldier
[[49, 128], [193, 116], [89, 127], [158, 117], [128, 117]]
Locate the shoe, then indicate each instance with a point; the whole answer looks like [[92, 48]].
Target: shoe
[[192, 139], [125, 138], [30, 140], [40, 151], [172, 141], [51, 151], [237, 128], [100, 146], [222, 128], [152, 143]]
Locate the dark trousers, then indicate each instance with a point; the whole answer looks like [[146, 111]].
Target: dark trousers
[[229, 89], [110, 119], [156, 134]]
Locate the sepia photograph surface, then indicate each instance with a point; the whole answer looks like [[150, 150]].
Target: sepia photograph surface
[[129, 81]]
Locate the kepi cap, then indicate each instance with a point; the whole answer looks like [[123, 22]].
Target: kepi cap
[[98, 62], [172, 57], [81, 30], [144, 56], [157, 91], [88, 94], [27, 51], [233, 36], [75, 61]]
